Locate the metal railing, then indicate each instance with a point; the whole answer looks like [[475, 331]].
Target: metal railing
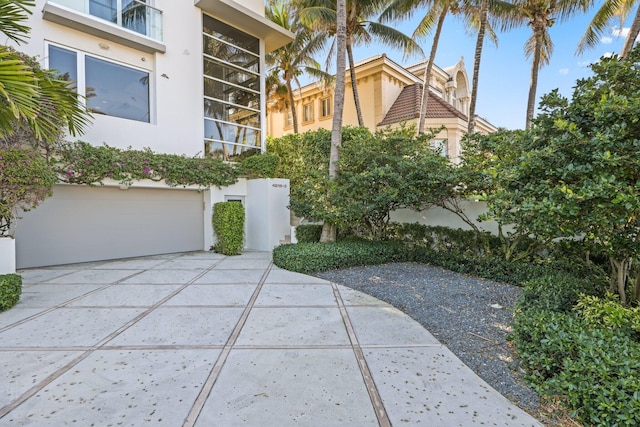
[[133, 15]]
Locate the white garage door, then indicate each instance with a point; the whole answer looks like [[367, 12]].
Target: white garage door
[[82, 224]]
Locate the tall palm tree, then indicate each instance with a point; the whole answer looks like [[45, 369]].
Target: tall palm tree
[[294, 59], [328, 229], [31, 98], [540, 15], [609, 10], [321, 16]]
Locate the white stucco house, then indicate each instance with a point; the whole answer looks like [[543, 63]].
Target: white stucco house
[[177, 76]]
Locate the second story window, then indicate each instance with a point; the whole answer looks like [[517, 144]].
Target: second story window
[[325, 107], [110, 89], [307, 112]]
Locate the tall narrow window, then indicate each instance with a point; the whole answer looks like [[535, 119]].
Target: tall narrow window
[[289, 120], [325, 104], [232, 108], [307, 112]]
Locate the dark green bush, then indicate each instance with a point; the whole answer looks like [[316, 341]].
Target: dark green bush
[[445, 239], [10, 290], [259, 166], [308, 233], [228, 224], [597, 368], [556, 292], [317, 257]]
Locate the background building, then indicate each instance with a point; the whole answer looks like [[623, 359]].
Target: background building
[[389, 94]]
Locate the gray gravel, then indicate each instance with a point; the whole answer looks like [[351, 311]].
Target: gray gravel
[[471, 316]]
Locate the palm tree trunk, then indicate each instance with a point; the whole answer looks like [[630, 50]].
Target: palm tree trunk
[[328, 229], [632, 36], [427, 71], [354, 83], [535, 68], [484, 10], [292, 104]]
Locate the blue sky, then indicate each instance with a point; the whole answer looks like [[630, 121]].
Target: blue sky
[[504, 71]]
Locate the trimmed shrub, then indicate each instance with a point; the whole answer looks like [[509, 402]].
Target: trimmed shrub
[[228, 223], [10, 290], [317, 257], [259, 166], [308, 233], [557, 292]]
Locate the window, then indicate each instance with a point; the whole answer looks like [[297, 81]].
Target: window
[[325, 107], [109, 88], [307, 112], [440, 146], [289, 119], [232, 90], [132, 14]]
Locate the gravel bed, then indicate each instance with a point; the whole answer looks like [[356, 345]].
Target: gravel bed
[[471, 316]]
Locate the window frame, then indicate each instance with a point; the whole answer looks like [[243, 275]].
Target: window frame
[[327, 101], [308, 106], [81, 82]]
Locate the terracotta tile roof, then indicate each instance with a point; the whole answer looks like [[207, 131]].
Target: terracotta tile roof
[[407, 107]]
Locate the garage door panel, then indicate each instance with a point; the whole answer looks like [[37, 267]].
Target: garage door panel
[[86, 224]]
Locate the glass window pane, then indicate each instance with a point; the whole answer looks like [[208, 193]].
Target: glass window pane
[[227, 151], [230, 74], [229, 113], [228, 93], [231, 54], [231, 133], [115, 90], [134, 16], [105, 9], [65, 61], [229, 34]]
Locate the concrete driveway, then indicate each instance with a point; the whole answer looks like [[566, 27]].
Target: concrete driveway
[[200, 339]]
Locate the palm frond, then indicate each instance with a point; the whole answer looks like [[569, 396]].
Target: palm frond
[[13, 14]]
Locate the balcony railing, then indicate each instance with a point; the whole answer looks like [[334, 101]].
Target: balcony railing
[[133, 15]]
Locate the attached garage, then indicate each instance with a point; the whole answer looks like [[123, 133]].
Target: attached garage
[[81, 223]]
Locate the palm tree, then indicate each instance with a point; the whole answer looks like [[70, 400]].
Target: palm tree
[[321, 16], [328, 229], [540, 15], [32, 99], [294, 59], [611, 9]]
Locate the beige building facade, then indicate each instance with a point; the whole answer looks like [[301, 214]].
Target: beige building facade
[[390, 95]]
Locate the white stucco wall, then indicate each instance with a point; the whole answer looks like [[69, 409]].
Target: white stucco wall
[[175, 80]]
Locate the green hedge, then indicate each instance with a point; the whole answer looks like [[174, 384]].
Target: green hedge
[[308, 233], [228, 224], [316, 257], [10, 290]]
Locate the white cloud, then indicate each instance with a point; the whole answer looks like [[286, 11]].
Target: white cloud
[[608, 54], [620, 32], [564, 71], [606, 40]]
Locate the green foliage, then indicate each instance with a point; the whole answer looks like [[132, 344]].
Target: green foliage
[[608, 313], [228, 224], [379, 173], [316, 257], [556, 291], [82, 163], [259, 166], [25, 181], [575, 172], [10, 290], [308, 233], [597, 369], [444, 239]]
